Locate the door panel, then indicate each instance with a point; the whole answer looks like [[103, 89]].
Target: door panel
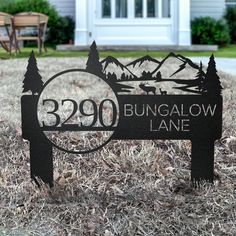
[[151, 23]]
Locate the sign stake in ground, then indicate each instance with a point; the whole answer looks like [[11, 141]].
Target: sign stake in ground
[[81, 110]]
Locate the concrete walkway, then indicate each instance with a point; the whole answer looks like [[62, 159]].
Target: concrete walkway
[[227, 65]]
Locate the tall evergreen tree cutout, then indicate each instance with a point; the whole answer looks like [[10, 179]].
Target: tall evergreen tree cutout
[[33, 80], [212, 83], [200, 78], [93, 64]]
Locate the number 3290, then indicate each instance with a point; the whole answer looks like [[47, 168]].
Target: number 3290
[[96, 112]]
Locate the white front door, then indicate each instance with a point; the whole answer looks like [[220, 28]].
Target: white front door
[[133, 22]]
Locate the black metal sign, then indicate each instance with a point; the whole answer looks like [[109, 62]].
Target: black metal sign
[[81, 110]]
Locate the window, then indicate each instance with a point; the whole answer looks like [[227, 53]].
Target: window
[[152, 8], [106, 8], [230, 3], [138, 8], [121, 8]]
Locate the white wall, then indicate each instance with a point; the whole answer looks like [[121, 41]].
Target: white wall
[[65, 7], [212, 8]]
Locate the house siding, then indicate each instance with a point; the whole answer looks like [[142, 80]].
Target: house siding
[[64, 7], [212, 8]]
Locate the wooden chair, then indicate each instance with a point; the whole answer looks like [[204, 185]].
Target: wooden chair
[[32, 19], [6, 38]]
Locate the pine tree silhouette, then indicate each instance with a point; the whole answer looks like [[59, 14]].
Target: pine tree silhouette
[[108, 76], [200, 78], [123, 77], [144, 74], [158, 76], [33, 80], [93, 65], [212, 84], [114, 77]]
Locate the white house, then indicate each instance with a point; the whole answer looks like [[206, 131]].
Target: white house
[[137, 22]]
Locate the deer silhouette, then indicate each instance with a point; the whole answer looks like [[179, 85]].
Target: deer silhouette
[[163, 92], [147, 88]]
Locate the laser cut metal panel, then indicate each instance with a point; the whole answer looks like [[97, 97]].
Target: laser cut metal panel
[[127, 105]]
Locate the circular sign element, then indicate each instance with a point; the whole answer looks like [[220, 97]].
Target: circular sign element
[[77, 111]]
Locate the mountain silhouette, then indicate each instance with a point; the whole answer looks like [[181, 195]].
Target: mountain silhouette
[[120, 67], [141, 67], [142, 60], [137, 70], [111, 60], [184, 62]]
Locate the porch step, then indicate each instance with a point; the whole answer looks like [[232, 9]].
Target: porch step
[[195, 48]]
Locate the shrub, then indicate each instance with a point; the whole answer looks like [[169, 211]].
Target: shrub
[[60, 29], [63, 29], [230, 16], [207, 30]]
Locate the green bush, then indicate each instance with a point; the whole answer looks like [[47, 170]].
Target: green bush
[[60, 29], [207, 30], [63, 29], [230, 16]]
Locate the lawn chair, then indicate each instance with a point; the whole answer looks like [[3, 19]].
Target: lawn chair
[[6, 36], [33, 19]]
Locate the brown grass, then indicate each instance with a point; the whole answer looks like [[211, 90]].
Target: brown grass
[[127, 188]]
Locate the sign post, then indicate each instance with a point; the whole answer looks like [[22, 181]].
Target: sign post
[[86, 120]]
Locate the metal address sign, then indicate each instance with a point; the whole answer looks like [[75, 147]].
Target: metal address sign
[[81, 110]]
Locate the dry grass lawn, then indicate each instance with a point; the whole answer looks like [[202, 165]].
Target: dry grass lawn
[[126, 188]]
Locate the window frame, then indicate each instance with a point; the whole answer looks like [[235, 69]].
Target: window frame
[[230, 4], [131, 12]]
